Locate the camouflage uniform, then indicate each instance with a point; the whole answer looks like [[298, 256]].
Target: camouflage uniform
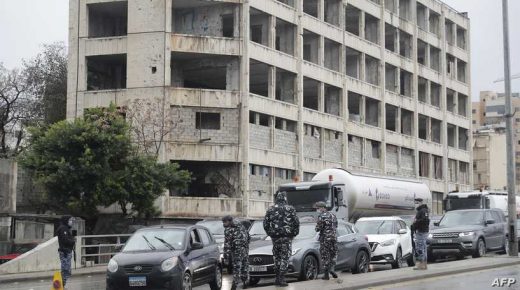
[[326, 226], [282, 225], [236, 250]]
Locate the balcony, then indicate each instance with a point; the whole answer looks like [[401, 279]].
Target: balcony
[[205, 44], [203, 97]]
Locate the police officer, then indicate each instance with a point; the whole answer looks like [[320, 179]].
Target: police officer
[[66, 243], [421, 225], [327, 227], [236, 250], [282, 225]]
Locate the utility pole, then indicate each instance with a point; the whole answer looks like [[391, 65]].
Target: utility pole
[[511, 179]]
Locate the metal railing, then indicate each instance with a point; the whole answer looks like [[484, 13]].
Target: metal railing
[[97, 250]]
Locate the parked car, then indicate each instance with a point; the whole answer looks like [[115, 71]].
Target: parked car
[[256, 231], [390, 240], [304, 263], [17, 250], [468, 232], [166, 257], [518, 233]]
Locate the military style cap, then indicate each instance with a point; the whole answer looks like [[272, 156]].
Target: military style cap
[[227, 218]]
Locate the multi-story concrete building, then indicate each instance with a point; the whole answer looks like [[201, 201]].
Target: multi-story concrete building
[[263, 91], [489, 158], [489, 112]]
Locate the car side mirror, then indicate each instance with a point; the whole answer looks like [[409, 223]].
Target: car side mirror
[[196, 246], [490, 222], [402, 231], [436, 224]]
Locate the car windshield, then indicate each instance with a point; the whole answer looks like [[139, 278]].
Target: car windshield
[[408, 219], [460, 218], [375, 227], [156, 240], [304, 200], [474, 202], [257, 229], [215, 227], [307, 231]]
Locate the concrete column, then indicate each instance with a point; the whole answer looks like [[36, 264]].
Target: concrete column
[[428, 92], [382, 80], [362, 24], [321, 10], [299, 87], [362, 68], [272, 32], [444, 128], [321, 97], [272, 127], [362, 110], [321, 51], [244, 108], [271, 82], [396, 41], [427, 59]]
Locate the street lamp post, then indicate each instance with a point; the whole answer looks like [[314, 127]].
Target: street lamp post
[[511, 187]]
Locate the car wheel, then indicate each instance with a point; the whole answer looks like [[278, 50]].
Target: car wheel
[[216, 284], [410, 261], [362, 263], [398, 263], [253, 281], [309, 268], [481, 249], [186, 281]]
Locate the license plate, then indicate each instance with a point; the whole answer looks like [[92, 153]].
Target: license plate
[[444, 241], [258, 268], [137, 281]]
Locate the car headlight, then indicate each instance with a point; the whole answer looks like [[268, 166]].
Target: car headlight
[[430, 236], [388, 243], [466, 234], [169, 264], [112, 266], [295, 251]]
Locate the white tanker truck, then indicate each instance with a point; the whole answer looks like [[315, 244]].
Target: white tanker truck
[[351, 196]]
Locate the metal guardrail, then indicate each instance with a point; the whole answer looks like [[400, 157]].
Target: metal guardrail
[[95, 250]]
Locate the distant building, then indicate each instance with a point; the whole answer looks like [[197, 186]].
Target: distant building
[[489, 158]]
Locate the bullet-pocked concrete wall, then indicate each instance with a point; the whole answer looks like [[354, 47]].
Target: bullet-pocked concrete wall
[[332, 150], [311, 147], [285, 141], [260, 186], [259, 136]]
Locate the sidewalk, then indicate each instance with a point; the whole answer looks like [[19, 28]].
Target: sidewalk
[[48, 275], [348, 281]]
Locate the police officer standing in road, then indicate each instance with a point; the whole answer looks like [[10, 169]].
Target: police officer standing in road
[[236, 250], [66, 242], [327, 227], [282, 225], [421, 225]]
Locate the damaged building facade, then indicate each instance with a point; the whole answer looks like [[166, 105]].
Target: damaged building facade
[[262, 92]]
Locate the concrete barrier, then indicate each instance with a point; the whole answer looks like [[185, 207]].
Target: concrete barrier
[[42, 258]]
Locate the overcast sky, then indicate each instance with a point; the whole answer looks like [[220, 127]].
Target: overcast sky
[[26, 24]]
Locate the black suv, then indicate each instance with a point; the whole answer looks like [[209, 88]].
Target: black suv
[[166, 257], [468, 232]]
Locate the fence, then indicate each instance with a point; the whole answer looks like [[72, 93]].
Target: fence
[[98, 249]]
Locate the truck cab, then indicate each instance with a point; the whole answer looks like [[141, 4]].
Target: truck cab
[[476, 200]]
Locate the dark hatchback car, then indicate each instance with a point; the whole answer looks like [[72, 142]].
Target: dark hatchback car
[[166, 257]]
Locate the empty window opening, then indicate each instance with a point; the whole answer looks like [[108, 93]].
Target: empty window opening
[[375, 148], [259, 27], [332, 52], [311, 7], [285, 36], [434, 22], [406, 122], [463, 138], [331, 10], [352, 19], [463, 175], [435, 58], [371, 28], [286, 174], [462, 104], [461, 71], [450, 101], [450, 37], [371, 70], [197, 18], [421, 51], [372, 112], [452, 170], [107, 19], [406, 83], [435, 94], [423, 127], [332, 100], [353, 63], [390, 37], [263, 120], [422, 20], [422, 89], [207, 121], [354, 107], [391, 5], [405, 9], [424, 164], [199, 71], [391, 118], [436, 126], [450, 66], [211, 179], [461, 37], [452, 132], [437, 167], [285, 86], [106, 72], [405, 44], [391, 81], [259, 78], [311, 93], [287, 2], [311, 44], [285, 125]]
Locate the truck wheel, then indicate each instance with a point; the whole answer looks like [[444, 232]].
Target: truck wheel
[[398, 263], [481, 249]]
